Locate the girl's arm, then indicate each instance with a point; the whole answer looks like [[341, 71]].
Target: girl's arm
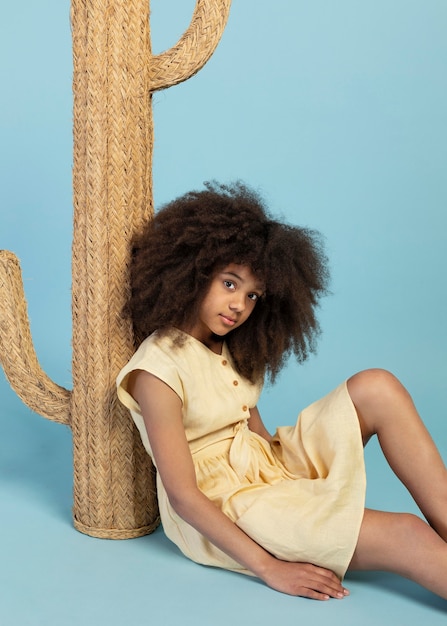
[[256, 424], [162, 413]]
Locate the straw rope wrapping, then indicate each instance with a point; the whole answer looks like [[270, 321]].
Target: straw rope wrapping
[[114, 76], [194, 48], [114, 490], [17, 354]]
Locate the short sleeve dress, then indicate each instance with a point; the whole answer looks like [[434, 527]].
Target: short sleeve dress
[[300, 497]]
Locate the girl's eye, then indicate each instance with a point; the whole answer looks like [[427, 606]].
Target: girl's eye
[[253, 296], [229, 284]]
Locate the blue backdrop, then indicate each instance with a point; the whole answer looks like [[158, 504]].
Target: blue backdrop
[[335, 111]]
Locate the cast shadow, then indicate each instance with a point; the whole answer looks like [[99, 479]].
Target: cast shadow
[[35, 456], [399, 586]]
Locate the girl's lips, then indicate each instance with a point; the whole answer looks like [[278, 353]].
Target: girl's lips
[[228, 320]]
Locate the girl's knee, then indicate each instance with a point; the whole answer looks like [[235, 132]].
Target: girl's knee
[[375, 393], [384, 537], [410, 526], [374, 386], [403, 529], [372, 381]]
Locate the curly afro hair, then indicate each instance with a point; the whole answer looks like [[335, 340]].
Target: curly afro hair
[[191, 238]]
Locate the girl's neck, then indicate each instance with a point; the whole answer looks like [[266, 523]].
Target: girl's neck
[[212, 342]]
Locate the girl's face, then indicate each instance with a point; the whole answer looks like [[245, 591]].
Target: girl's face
[[230, 299]]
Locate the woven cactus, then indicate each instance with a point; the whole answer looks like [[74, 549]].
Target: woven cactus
[[114, 77]]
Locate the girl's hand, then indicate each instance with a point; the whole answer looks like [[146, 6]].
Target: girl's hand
[[304, 579]]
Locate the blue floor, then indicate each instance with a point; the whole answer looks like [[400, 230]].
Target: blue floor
[[51, 574]]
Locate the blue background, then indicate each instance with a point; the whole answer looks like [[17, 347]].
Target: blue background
[[335, 111]]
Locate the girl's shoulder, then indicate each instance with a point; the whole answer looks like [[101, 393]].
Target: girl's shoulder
[[160, 347], [156, 342], [156, 355]]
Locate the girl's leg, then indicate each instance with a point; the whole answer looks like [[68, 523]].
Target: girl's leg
[[403, 544], [385, 408]]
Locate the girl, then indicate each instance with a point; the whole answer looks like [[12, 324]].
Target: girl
[[221, 295]]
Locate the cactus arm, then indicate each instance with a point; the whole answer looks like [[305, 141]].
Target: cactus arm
[[17, 354], [194, 48]]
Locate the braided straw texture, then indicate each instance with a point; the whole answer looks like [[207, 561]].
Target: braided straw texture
[[114, 492], [194, 48], [17, 354], [114, 76], [114, 488]]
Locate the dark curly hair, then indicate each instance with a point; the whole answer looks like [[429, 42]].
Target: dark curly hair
[[178, 252]]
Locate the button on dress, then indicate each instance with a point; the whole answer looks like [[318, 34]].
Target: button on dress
[[301, 497]]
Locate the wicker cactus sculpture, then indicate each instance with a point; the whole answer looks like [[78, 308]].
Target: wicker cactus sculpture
[[114, 77]]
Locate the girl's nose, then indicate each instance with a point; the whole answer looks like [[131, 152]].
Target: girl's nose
[[237, 303]]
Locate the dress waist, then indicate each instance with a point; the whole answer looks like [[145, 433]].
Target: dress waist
[[234, 443]]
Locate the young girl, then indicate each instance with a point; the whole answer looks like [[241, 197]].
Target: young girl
[[221, 295]]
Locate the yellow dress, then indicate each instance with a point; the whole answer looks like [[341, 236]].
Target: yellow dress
[[301, 498]]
